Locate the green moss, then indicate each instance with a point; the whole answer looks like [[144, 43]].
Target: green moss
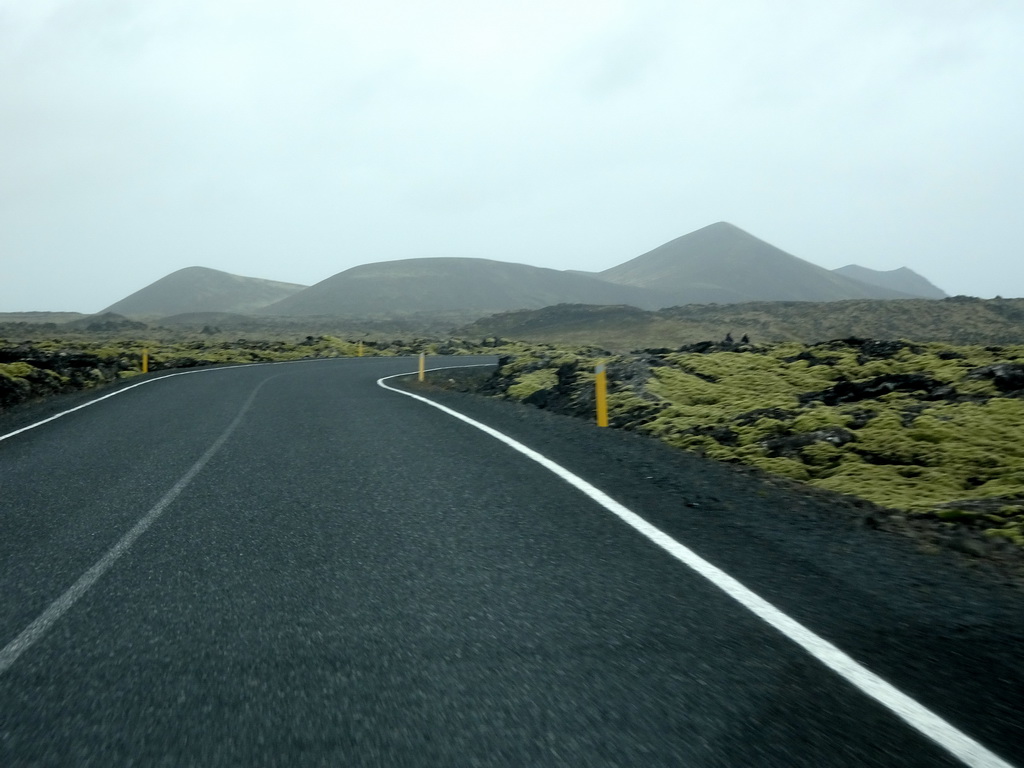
[[627, 409], [683, 388], [528, 383], [17, 370], [907, 454], [794, 470], [1014, 534], [822, 455], [888, 486], [886, 441]]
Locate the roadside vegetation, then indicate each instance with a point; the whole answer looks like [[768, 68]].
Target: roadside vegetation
[[932, 430]]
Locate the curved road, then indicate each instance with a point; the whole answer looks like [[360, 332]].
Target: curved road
[[290, 565]]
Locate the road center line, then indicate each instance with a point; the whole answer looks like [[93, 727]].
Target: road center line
[[919, 717], [38, 628]]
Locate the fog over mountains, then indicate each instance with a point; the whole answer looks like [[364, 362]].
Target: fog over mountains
[[719, 263]]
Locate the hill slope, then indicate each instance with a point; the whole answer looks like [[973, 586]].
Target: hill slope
[[442, 284], [902, 279], [722, 263], [199, 289]]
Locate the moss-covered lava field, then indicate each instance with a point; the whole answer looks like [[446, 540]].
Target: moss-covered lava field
[[933, 430]]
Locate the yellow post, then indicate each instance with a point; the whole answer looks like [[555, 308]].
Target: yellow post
[[360, 349], [145, 361], [601, 384], [423, 365]]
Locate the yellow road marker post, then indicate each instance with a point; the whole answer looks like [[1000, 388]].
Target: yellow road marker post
[[601, 390], [359, 351], [145, 361], [423, 365]]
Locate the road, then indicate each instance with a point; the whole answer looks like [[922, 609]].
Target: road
[[294, 566]]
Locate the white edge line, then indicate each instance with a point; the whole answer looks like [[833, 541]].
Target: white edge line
[[93, 402], [922, 719], [51, 615], [203, 369]]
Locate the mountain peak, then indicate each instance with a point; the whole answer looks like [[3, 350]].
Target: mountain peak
[[725, 264]]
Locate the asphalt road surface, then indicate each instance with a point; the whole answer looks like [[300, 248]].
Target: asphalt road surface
[[291, 565]]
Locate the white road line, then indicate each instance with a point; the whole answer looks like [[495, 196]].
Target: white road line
[[160, 378], [38, 628], [93, 402], [953, 740]]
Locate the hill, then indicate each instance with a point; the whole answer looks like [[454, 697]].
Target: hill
[[960, 320], [466, 285], [722, 263], [717, 264], [199, 289], [902, 279]]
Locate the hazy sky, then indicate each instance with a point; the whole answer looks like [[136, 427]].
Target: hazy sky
[[294, 140]]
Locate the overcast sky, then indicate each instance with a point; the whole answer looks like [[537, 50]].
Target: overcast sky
[[293, 140]]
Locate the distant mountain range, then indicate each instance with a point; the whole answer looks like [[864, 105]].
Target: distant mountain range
[[719, 264]]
